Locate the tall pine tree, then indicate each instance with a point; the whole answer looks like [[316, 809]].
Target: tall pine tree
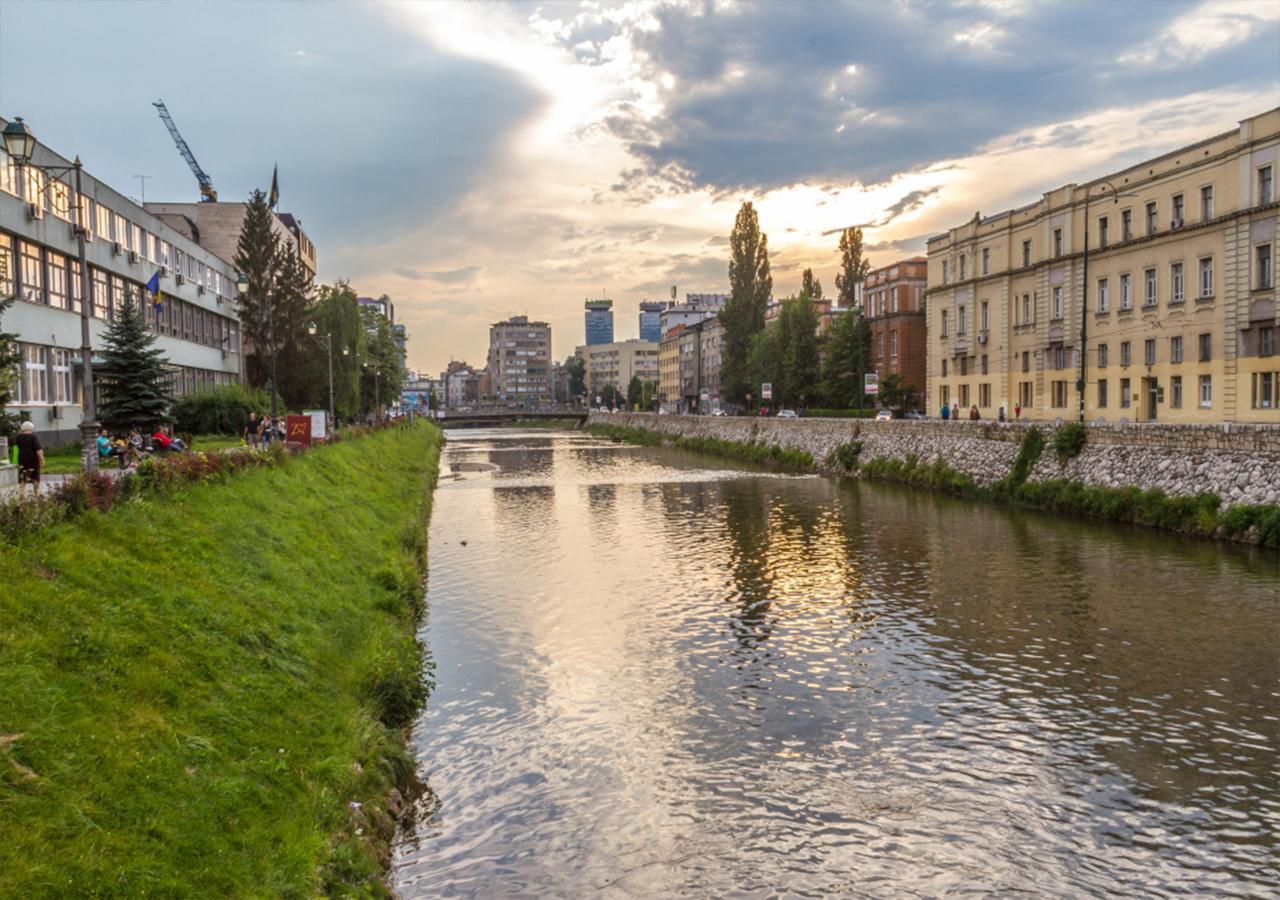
[[750, 285], [293, 308], [258, 259], [134, 375]]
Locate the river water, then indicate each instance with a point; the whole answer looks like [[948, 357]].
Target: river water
[[659, 674]]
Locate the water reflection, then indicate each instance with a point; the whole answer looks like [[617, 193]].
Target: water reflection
[[658, 674]]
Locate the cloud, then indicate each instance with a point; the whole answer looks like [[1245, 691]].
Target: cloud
[[451, 276], [1206, 30]]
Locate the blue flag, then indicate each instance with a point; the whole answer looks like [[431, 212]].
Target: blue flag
[[274, 197], [153, 288]]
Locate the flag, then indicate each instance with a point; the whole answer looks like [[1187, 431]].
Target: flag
[[153, 288], [274, 197]]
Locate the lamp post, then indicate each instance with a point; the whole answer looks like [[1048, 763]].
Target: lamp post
[[20, 144], [328, 346], [1084, 293]]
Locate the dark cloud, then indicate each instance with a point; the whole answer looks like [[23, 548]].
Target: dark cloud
[[449, 276], [761, 90]]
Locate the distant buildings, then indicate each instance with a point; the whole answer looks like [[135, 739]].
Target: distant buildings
[[616, 363], [894, 306], [693, 310], [689, 359], [196, 320], [1177, 316], [651, 320], [519, 365], [217, 226], [599, 322]]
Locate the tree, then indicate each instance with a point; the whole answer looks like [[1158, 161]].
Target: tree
[[258, 259], [576, 367], [809, 286], [853, 268], [301, 361], [895, 393], [382, 367], [800, 350], [635, 392], [609, 395], [848, 352], [750, 286], [337, 313], [134, 376]]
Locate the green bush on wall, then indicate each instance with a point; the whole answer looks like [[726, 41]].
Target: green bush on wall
[[1068, 441]]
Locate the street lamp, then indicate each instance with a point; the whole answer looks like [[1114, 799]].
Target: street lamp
[[313, 330], [20, 144], [1084, 293]]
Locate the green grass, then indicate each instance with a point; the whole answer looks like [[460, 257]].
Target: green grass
[[195, 685], [65, 459]]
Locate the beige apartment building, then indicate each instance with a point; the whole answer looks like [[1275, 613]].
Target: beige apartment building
[[617, 362], [1179, 302], [669, 369], [519, 364]]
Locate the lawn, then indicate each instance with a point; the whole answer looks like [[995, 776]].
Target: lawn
[[65, 458], [196, 686]]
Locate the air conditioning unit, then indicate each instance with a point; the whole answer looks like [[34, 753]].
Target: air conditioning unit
[[178, 279], [1176, 223], [164, 271], [982, 337], [55, 412], [133, 256], [199, 288], [34, 211], [225, 352], [116, 249]]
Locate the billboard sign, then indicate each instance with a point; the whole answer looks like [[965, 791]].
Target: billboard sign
[[299, 429], [766, 391], [871, 383]]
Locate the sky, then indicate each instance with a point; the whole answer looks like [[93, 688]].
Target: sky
[[480, 160]]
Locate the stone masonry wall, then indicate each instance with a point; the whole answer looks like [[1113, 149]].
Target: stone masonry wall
[[1240, 463]]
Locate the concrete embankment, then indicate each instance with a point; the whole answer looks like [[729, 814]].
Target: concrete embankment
[[1238, 463]]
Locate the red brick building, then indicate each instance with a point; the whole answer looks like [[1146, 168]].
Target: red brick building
[[894, 305]]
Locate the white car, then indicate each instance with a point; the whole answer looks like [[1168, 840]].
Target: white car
[[787, 414], [884, 415]]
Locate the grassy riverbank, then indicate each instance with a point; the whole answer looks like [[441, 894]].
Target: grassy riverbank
[[198, 687]]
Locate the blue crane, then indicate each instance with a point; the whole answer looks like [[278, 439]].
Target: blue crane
[[207, 193]]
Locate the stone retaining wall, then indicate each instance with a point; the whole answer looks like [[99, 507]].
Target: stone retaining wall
[[1240, 463]]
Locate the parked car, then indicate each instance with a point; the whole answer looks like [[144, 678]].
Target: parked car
[[719, 412], [787, 414], [918, 416], [884, 415]]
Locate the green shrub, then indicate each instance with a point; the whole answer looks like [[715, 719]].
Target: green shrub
[[1068, 441], [846, 455], [219, 410], [395, 683], [1029, 450]]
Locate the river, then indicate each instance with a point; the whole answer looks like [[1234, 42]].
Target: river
[[661, 674]]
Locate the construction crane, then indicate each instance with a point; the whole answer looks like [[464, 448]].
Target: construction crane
[[207, 193]]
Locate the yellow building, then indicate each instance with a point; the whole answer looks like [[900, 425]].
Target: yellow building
[[1180, 316], [669, 369]]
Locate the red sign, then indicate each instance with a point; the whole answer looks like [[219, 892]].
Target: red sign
[[299, 428]]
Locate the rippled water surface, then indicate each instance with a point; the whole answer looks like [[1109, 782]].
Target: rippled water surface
[[661, 675]]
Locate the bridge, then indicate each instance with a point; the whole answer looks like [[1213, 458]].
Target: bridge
[[498, 416]]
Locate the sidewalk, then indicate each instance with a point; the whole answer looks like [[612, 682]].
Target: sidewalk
[[50, 483]]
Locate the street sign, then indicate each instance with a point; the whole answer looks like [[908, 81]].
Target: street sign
[[871, 383], [766, 391]]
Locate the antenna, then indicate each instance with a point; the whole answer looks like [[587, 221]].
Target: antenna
[[142, 180]]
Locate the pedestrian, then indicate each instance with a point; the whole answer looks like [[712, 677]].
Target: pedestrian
[[30, 459], [1000, 415], [973, 413], [946, 412], [1017, 410], [251, 429], [264, 431], [955, 411], [282, 430]]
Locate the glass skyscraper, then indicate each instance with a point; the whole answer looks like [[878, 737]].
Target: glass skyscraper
[[599, 322], [651, 320]]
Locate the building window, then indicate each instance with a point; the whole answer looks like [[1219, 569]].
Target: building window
[[944, 323], [984, 363], [985, 318], [984, 394], [1267, 341], [34, 370], [964, 395], [1026, 253], [1206, 277], [1206, 391], [1264, 185], [58, 281], [1264, 389], [32, 272], [1057, 303], [893, 300], [893, 344], [1262, 254], [1152, 224], [1149, 351], [1026, 360], [1102, 393], [944, 367], [1059, 357], [1206, 347], [986, 261], [61, 382], [963, 258], [1175, 392], [944, 394], [1102, 356], [1124, 353], [1177, 210], [961, 321], [1126, 225], [1125, 397], [1104, 301], [1175, 349], [964, 366], [944, 271], [1057, 242], [101, 295], [1150, 296], [1126, 291], [1102, 232], [1025, 395], [1206, 203], [1059, 394], [1026, 309]]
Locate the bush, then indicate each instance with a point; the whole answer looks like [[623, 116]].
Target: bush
[[1024, 463], [846, 455], [220, 410], [1068, 441]]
